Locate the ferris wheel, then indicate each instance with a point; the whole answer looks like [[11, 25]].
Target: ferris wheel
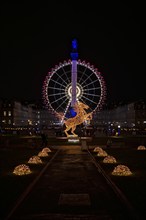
[[57, 87]]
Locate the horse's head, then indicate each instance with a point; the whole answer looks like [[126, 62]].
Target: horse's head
[[82, 105]]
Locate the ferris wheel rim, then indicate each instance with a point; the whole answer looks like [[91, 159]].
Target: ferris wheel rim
[[95, 71]]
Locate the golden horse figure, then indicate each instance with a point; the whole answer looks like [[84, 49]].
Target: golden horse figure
[[80, 117]]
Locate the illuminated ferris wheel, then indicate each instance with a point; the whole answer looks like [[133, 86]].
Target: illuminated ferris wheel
[[71, 81]]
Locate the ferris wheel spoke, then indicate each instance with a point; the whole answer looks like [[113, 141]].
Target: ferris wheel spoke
[[86, 79], [90, 83], [58, 99], [67, 106], [61, 104], [56, 88], [66, 109], [66, 75], [90, 94], [83, 73], [92, 88], [89, 100], [61, 78], [57, 83], [61, 93]]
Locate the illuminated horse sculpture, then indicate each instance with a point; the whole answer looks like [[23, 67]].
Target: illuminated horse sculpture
[[80, 117]]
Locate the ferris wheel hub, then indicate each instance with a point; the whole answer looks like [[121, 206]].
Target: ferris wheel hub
[[79, 91]]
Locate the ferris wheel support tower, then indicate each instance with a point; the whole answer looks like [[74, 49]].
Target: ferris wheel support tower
[[74, 57]]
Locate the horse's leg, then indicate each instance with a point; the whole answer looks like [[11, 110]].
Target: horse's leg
[[72, 130], [67, 129], [89, 116]]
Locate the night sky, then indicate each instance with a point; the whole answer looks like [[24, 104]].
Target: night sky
[[37, 36]]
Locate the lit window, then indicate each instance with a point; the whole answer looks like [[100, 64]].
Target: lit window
[[5, 113], [9, 113]]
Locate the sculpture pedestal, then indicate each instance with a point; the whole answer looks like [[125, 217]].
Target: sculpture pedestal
[[73, 139]]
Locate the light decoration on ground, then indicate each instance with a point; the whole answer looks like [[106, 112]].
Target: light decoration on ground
[[121, 170], [35, 160], [46, 149], [43, 154], [109, 159], [141, 147], [97, 149], [22, 169], [102, 153]]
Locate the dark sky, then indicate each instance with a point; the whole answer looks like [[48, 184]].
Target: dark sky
[[37, 36]]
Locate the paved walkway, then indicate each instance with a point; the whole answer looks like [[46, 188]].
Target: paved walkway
[[71, 188]]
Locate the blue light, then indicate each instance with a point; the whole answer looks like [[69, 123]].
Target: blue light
[[71, 113], [74, 44], [74, 53]]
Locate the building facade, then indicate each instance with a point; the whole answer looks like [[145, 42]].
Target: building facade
[[15, 116], [128, 117]]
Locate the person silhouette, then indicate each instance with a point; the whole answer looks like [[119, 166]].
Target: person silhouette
[[44, 140], [109, 143]]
